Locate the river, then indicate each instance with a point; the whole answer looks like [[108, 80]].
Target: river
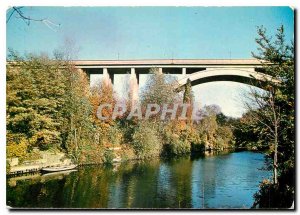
[[227, 180]]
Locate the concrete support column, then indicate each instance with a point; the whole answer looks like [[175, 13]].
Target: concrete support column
[[132, 71], [134, 74], [133, 86], [184, 71], [160, 70], [106, 77]]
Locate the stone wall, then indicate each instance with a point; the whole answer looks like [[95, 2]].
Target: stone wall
[[49, 159]]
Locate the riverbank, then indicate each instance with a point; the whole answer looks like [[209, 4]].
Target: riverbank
[[52, 159], [42, 159]]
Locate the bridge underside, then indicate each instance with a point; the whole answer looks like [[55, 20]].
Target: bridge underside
[[176, 71], [234, 78], [140, 70]]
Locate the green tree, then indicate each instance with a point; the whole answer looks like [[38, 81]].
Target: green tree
[[159, 89], [77, 127], [247, 135], [48, 105], [188, 98], [146, 141], [274, 110], [35, 98], [188, 94]]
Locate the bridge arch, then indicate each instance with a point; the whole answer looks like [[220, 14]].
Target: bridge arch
[[241, 75]]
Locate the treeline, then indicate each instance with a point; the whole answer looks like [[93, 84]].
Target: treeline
[[50, 106]]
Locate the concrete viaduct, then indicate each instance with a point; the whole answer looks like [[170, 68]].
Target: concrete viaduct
[[197, 70]]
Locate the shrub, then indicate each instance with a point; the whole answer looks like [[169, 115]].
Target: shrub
[[115, 135], [127, 153], [178, 147], [273, 196], [224, 137], [175, 145], [19, 149], [108, 156], [280, 195], [89, 153], [146, 142]]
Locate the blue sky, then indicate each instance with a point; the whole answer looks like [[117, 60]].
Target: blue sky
[[154, 33]]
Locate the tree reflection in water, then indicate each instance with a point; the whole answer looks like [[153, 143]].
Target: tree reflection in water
[[223, 181]]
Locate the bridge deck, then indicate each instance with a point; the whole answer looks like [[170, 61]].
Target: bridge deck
[[252, 62]]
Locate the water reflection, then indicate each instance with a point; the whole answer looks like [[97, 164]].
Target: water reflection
[[223, 181]]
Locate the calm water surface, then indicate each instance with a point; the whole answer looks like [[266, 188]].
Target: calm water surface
[[221, 181]]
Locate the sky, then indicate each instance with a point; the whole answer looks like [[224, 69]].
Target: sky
[[154, 33]]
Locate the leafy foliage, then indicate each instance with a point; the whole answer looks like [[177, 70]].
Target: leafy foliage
[[35, 98], [17, 149], [159, 89], [273, 121], [47, 103], [146, 141]]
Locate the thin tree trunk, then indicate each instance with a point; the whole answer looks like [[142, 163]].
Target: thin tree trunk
[[275, 156], [76, 144], [275, 139]]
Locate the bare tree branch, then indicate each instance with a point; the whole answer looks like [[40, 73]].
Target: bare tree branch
[[28, 19]]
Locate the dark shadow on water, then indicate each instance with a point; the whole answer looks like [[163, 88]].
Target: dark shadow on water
[[197, 156]]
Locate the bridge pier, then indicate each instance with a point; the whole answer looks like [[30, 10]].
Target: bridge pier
[[160, 70], [133, 86], [107, 77], [184, 71]]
